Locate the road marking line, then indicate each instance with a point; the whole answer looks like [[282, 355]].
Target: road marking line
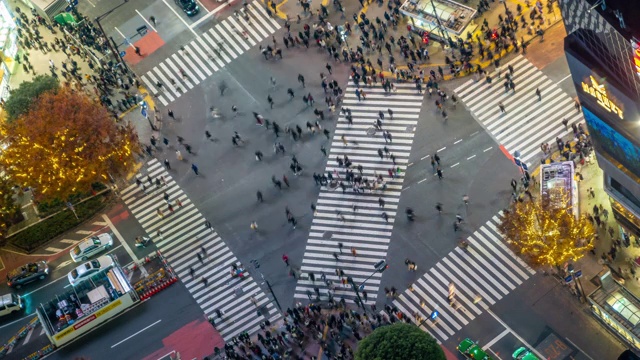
[[487, 149], [576, 346], [124, 37], [515, 334], [117, 234], [180, 17], [423, 180], [424, 157], [442, 149], [116, 344], [409, 164], [457, 142], [92, 4], [28, 337], [53, 249], [100, 223], [145, 20], [472, 134], [456, 164], [69, 241], [496, 339], [563, 79], [84, 232], [471, 157], [405, 188]]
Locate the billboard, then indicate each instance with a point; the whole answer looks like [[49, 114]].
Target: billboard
[[611, 142]]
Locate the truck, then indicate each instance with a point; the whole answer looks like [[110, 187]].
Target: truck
[[87, 305]]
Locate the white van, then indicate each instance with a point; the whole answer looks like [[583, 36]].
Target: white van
[[9, 304]]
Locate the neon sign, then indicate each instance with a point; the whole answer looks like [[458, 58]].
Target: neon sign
[[599, 92]]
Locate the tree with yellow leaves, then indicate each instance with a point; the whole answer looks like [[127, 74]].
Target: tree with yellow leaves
[[545, 232], [64, 143]]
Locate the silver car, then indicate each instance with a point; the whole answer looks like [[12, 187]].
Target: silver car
[[91, 246], [84, 271]]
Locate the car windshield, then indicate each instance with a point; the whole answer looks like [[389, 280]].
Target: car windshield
[[94, 263], [187, 3], [74, 273], [76, 250]]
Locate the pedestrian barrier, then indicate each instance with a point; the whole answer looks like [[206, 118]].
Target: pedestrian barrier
[[4, 349]]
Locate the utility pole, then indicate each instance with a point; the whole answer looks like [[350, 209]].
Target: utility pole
[[443, 32], [112, 45]]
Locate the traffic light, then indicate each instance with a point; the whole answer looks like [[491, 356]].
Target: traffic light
[[381, 266]]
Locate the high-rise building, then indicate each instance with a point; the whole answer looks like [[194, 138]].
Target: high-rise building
[[603, 52]]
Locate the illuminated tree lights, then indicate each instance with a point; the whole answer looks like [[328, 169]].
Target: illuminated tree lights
[[545, 234], [64, 143]]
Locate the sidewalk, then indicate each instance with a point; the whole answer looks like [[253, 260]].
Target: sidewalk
[[437, 52], [40, 62]]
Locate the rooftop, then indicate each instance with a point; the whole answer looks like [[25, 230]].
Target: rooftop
[[629, 10], [453, 16]]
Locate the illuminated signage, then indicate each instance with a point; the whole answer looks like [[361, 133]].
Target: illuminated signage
[[636, 60], [599, 92]]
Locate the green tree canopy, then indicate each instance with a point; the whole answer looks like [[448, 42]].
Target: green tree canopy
[[399, 341], [24, 95]]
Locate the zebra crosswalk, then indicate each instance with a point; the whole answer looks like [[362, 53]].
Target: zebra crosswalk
[[346, 220], [208, 53], [527, 122], [180, 235], [479, 277]]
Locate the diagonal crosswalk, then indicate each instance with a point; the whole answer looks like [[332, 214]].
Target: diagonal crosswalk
[[208, 53], [183, 236], [527, 122], [481, 276], [363, 229]]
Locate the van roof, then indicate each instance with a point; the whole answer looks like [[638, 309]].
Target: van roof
[[6, 299]]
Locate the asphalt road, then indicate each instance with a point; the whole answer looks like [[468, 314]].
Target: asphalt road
[[538, 313]]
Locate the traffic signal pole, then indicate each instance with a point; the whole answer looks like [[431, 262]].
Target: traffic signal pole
[[380, 267]]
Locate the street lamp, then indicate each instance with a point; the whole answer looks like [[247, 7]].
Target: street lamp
[[445, 34], [577, 281], [110, 42], [380, 267], [256, 266]]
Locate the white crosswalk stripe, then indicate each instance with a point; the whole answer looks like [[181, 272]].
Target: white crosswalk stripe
[[363, 229], [184, 235], [482, 275], [527, 122], [208, 53]]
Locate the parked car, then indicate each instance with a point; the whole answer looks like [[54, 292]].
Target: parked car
[[9, 304], [524, 354], [470, 350], [84, 271], [91, 246], [190, 7], [25, 274]]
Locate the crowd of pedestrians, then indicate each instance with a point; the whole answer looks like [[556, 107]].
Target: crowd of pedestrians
[[331, 329], [111, 84]]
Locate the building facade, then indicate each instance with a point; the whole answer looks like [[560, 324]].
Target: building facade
[[602, 51]]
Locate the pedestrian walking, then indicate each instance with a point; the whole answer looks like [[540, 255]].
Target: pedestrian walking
[[137, 51], [178, 155], [501, 106], [285, 180], [259, 196], [539, 94], [439, 172], [259, 155], [340, 245], [323, 150], [194, 167], [285, 258], [381, 202], [385, 216], [200, 258], [204, 281], [353, 251], [167, 164], [171, 115], [254, 226]]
